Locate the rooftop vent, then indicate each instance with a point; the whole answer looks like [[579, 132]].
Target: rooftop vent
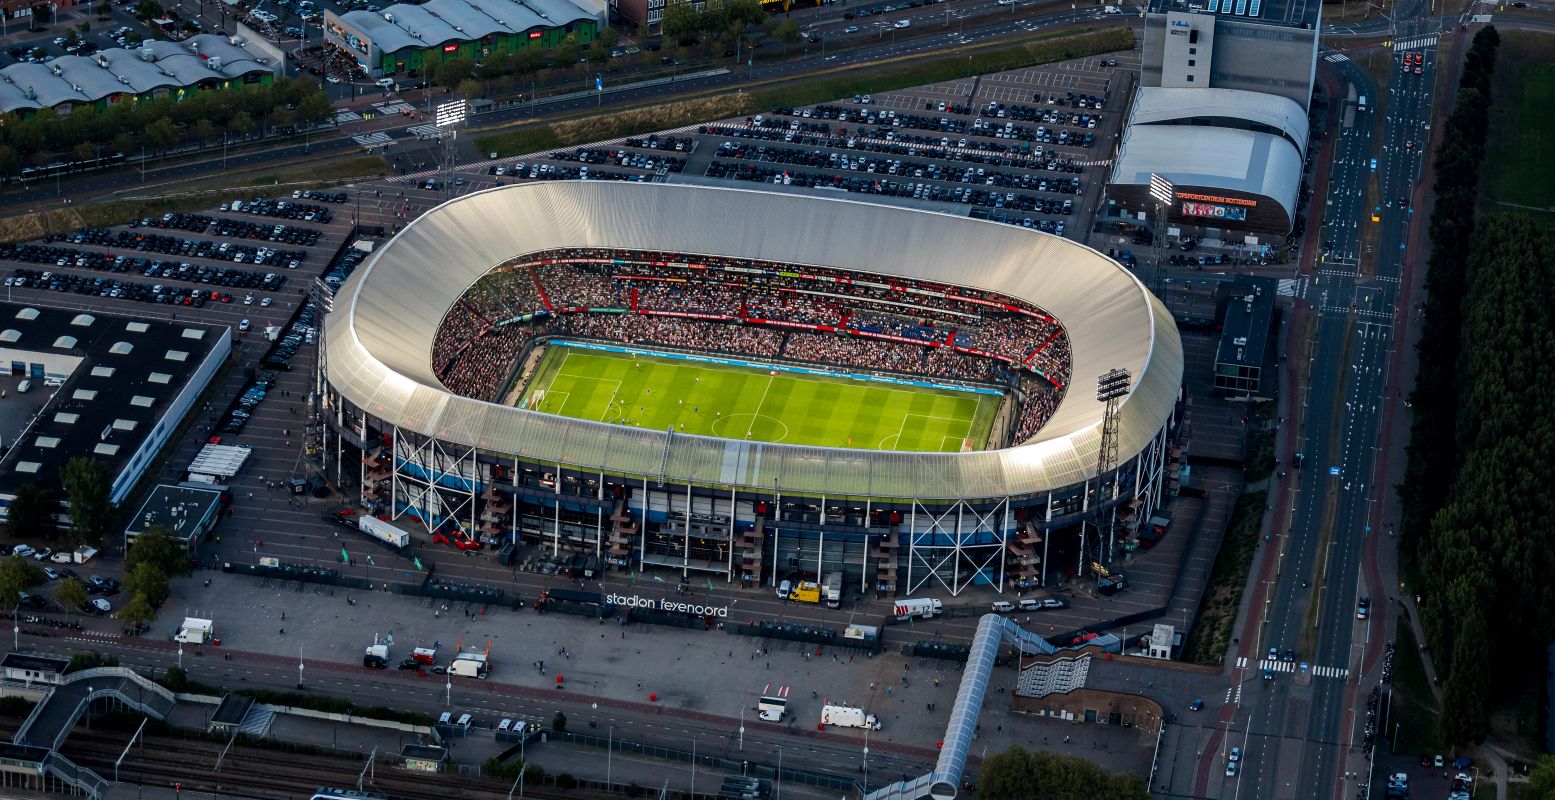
[[214, 62], [54, 68], [389, 17], [148, 54]]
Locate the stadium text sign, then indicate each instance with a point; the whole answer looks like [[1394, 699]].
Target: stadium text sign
[[666, 604]]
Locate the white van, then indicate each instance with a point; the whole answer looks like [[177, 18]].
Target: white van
[[1030, 604], [1003, 607], [23, 386], [782, 591]]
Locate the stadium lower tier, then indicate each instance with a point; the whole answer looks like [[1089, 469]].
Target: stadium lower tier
[[766, 311], [594, 520]]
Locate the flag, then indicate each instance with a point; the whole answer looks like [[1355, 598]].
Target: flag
[[344, 556], [418, 563]]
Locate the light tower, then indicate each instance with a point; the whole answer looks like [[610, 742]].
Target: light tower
[[447, 118], [1111, 388], [1162, 192]]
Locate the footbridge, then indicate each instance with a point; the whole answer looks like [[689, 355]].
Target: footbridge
[[52, 719], [942, 782]]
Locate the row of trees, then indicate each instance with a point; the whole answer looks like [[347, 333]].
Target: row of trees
[[157, 125], [1484, 402], [722, 22], [1019, 774], [32, 513]]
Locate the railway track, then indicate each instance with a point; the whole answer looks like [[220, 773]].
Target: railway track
[[261, 774]]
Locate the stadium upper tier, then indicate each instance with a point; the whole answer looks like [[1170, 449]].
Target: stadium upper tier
[[386, 343]]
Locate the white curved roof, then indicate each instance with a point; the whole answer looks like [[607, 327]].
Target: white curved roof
[[1155, 104], [1220, 158], [379, 334], [438, 21], [87, 79]]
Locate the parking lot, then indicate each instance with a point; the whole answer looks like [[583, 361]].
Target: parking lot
[[1028, 147]]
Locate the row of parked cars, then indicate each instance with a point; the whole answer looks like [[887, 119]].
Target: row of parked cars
[[150, 268], [117, 288], [1027, 604], [284, 209], [302, 331], [243, 409], [625, 158], [196, 248]]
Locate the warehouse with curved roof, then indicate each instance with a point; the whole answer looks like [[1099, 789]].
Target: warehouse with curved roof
[[956, 518], [156, 69]]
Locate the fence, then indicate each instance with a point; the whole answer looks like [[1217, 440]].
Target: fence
[[714, 761], [813, 634]]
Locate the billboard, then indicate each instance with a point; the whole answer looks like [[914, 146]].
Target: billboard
[[1214, 211]]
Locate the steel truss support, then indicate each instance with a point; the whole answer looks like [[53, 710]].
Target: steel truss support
[[960, 540], [435, 481]]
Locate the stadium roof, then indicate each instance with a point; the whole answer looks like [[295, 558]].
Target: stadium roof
[[438, 21], [1222, 158], [378, 340], [158, 64], [1155, 104]]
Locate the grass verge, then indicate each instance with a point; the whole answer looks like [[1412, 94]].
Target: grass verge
[[1520, 151], [1415, 712], [821, 87], [1211, 633]]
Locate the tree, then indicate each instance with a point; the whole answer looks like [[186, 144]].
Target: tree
[[174, 678], [156, 546], [1013, 774], [17, 576], [205, 131], [1542, 778], [32, 512], [568, 51], [103, 9], [559, 722], [681, 22], [86, 490], [449, 73], [315, 108], [469, 88], [137, 610], [241, 124], [609, 37], [123, 142], [149, 581], [160, 135], [787, 32], [71, 594], [282, 118]]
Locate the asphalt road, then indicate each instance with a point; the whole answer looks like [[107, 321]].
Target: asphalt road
[[1297, 739]]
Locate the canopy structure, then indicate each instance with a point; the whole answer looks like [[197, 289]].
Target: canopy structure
[[379, 335]]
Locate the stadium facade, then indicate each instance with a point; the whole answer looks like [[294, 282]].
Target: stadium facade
[[707, 508]]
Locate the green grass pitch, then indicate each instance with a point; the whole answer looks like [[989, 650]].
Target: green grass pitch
[[738, 402]]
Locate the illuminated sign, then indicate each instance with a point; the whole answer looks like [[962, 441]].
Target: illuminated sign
[[534, 34], [1209, 198], [667, 605], [450, 48], [1213, 211]]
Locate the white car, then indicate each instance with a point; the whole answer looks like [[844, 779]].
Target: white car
[[387, 83], [505, 724], [101, 605], [444, 718], [50, 573], [243, 326], [22, 550], [464, 720], [265, 302], [62, 558], [248, 300]]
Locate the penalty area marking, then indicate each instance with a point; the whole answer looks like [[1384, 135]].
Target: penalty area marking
[[896, 438]]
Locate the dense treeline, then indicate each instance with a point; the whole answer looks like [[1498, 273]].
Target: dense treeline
[[1476, 510], [157, 125], [1433, 444], [1020, 774], [1487, 558]]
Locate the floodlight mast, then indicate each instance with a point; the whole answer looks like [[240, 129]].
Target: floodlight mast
[[447, 117], [1163, 192], [1111, 388]]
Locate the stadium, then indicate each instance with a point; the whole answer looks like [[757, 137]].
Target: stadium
[[729, 385]]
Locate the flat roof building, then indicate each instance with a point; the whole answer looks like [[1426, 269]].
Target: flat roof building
[[1244, 337], [189, 512], [407, 39], [34, 668], [1267, 46], [122, 386]]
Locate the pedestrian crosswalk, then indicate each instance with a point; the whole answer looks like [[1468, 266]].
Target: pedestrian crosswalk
[[1335, 58], [395, 107], [1291, 666], [344, 115], [424, 130], [1287, 287], [374, 139], [1416, 42]]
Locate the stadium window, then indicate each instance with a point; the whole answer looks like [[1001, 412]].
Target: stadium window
[[1192, 62], [1190, 79]]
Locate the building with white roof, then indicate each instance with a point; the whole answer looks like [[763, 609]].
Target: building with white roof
[[406, 39], [156, 69]]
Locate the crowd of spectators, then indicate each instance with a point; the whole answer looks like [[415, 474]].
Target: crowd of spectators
[[474, 348]]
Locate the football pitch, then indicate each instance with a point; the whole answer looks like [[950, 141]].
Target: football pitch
[[757, 403]]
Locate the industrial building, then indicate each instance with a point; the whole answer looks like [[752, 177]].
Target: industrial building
[[1221, 113], [408, 39], [118, 389], [894, 523], [156, 69]]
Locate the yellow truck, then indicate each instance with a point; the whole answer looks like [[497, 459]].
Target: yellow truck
[[805, 592]]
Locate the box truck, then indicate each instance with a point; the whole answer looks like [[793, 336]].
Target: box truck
[[922, 607], [194, 631], [834, 590], [805, 592], [376, 656], [773, 704], [382, 531], [848, 717]]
